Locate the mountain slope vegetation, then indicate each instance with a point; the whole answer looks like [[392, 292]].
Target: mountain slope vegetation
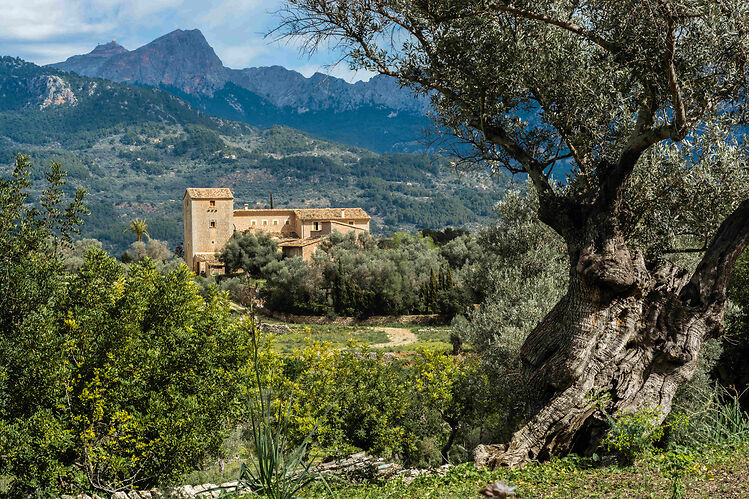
[[135, 149]]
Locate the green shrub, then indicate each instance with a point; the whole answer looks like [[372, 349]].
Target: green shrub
[[110, 377], [369, 400], [634, 434]]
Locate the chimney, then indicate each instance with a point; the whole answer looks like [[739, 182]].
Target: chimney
[[246, 206]]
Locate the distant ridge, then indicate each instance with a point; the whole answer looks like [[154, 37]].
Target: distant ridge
[[377, 114], [90, 64]]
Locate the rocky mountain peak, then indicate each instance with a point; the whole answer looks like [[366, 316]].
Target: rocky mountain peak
[[184, 61], [108, 49]]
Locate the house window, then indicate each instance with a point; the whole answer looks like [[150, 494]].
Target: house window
[[213, 224], [275, 222], [351, 222], [213, 202], [287, 222], [254, 222], [315, 225], [265, 222]]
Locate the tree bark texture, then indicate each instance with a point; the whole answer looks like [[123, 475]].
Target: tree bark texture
[[631, 328]]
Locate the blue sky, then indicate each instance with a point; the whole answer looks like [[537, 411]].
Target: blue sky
[[45, 31]]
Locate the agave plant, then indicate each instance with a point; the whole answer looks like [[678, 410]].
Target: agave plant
[[276, 469]]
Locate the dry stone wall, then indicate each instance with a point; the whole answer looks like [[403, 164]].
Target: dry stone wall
[[357, 468], [379, 320]]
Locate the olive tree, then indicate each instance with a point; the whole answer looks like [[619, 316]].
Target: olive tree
[[606, 89], [250, 251]]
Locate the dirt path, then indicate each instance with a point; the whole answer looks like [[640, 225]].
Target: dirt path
[[398, 336]]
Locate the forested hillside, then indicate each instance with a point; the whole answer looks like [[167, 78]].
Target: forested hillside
[[136, 149]]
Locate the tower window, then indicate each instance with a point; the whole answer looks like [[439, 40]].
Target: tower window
[[212, 202], [213, 224]]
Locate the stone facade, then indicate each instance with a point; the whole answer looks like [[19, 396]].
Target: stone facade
[[211, 220]]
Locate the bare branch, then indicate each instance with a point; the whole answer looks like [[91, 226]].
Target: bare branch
[[674, 251]]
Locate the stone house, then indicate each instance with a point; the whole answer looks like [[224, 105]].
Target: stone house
[[211, 220]]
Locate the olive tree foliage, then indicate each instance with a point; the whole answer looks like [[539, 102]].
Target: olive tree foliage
[[74, 254], [679, 195], [350, 274], [518, 271], [153, 249], [607, 88], [250, 251]]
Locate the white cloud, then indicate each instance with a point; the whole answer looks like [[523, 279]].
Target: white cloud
[[46, 19], [37, 20], [240, 56], [228, 10], [126, 9], [47, 53]]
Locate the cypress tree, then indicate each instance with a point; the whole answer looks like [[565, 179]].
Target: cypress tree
[[433, 290], [449, 283], [339, 289]]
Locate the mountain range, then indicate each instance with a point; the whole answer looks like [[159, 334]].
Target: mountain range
[[377, 114]]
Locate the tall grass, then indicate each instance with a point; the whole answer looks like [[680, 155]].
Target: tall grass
[[716, 418]]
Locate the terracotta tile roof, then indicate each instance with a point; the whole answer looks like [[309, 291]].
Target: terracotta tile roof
[[332, 214], [263, 211], [297, 243], [207, 257], [208, 193]]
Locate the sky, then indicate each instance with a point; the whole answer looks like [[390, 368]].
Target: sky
[[46, 31]]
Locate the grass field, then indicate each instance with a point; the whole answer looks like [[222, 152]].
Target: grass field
[[710, 473], [338, 336]]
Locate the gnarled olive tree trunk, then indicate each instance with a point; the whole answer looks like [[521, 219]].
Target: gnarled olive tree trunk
[[628, 327]]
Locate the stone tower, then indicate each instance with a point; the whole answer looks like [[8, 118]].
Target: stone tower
[[209, 223]]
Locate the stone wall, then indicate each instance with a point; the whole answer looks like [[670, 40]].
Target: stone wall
[[357, 468], [379, 320]]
